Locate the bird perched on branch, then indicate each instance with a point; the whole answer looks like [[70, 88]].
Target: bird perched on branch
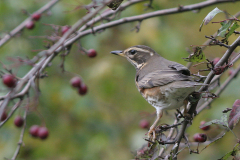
[[164, 84]]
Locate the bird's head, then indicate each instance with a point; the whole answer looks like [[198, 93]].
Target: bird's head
[[137, 55]]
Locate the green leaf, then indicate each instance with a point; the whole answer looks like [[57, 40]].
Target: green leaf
[[115, 4], [209, 17], [232, 29], [222, 122], [197, 56], [234, 152], [223, 30], [213, 142]]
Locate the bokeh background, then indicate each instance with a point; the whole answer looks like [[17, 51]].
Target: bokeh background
[[104, 124]]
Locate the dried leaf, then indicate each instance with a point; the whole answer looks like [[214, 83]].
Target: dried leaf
[[209, 17], [234, 114]]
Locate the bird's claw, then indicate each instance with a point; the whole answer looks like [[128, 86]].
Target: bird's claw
[[152, 134]]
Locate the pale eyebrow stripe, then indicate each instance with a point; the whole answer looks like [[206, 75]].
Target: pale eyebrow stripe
[[140, 49]]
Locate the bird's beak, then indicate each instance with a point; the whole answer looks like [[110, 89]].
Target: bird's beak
[[120, 53]]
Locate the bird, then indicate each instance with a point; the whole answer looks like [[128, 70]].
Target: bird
[[163, 83]]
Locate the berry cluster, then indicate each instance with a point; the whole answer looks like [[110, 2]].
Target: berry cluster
[[76, 82], [35, 17], [38, 131], [201, 137]]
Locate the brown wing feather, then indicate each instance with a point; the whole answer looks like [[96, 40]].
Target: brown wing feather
[[160, 78], [184, 70]]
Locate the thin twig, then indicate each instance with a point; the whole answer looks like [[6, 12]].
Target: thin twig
[[14, 108], [220, 90], [20, 142], [207, 81], [143, 17], [20, 27]]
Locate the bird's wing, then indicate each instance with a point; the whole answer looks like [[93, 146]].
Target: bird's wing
[[162, 77], [184, 70]]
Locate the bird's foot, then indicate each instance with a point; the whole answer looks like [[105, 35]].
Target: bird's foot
[[152, 134], [186, 115]]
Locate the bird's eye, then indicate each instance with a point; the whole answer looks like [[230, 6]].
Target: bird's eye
[[132, 52]]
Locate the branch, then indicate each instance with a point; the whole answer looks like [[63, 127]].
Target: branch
[[144, 16], [11, 112], [78, 24], [109, 13], [48, 56], [20, 142], [20, 27], [219, 91], [207, 81]]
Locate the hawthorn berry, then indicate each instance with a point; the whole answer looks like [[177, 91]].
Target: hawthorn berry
[[92, 53], [36, 16], [144, 124], [218, 70], [215, 60], [30, 25], [82, 89], [18, 121], [9, 80], [65, 29], [200, 137], [206, 127], [76, 82], [34, 130], [232, 71], [43, 132], [4, 116]]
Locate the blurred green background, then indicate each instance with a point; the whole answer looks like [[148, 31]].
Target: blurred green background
[[104, 124]]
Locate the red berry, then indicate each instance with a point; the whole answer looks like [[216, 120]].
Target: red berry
[[215, 60], [92, 53], [218, 70], [43, 132], [200, 137], [83, 89], [206, 127], [9, 80], [144, 124], [231, 71], [18, 121], [34, 130], [4, 116], [76, 82], [30, 25], [36, 16], [65, 29]]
